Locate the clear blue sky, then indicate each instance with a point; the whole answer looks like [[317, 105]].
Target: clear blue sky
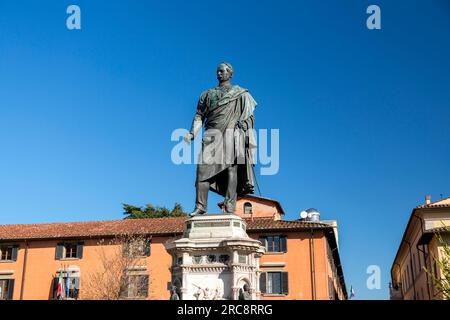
[[86, 116]]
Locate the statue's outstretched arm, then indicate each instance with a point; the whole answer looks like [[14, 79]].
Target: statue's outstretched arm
[[199, 117], [197, 124]]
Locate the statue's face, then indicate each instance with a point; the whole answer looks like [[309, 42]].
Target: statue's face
[[223, 74]]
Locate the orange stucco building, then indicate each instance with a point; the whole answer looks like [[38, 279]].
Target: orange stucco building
[[301, 260]]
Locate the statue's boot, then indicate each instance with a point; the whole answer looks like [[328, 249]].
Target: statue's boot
[[196, 212]]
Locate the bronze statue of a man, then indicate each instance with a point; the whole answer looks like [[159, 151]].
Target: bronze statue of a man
[[226, 160]]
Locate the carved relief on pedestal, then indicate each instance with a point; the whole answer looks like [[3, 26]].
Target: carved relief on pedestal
[[209, 292]]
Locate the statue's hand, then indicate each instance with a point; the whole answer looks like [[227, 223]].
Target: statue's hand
[[188, 137], [241, 125]]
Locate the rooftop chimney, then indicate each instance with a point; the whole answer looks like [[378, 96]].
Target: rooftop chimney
[[428, 199]]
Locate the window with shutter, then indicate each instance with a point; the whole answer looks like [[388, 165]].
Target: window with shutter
[[274, 282], [69, 250], [135, 286], [137, 248], [7, 253], [274, 243]]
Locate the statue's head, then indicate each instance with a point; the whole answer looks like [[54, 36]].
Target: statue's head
[[245, 287], [224, 72]]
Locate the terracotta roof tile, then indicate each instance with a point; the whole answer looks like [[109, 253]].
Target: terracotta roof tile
[[442, 203], [270, 224], [157, 226], [433, 206]]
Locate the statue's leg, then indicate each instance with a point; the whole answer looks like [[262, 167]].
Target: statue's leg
[[201, 202], [231, 194]]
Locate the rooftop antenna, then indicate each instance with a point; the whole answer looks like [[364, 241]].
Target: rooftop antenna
[[310, 214]]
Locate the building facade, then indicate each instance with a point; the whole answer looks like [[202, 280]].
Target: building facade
[[301, 261], [415, 266]]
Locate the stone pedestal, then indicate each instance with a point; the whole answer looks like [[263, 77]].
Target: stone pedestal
[[215, 258]]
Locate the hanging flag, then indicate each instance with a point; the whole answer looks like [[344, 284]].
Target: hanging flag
[[67, 284], [59, 292], [352, 292]]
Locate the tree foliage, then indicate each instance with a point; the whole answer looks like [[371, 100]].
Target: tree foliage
[[150, 211]]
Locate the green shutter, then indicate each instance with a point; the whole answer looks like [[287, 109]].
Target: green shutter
[[10, 289], [284, 283], [263, 241], [262, 282], [125, 249], [283, 244], [148, 247], [59, 251], [124, 281], [15, 250], [145, 284], [80, 250]]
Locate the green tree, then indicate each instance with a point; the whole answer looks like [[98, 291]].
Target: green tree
[[150, 211]]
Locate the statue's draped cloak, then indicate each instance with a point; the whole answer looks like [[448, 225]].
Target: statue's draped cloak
[[223, 145]]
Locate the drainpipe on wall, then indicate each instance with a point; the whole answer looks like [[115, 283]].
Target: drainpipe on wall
[[24, 269], [313, 271]]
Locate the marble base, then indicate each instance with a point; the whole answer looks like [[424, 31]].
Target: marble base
[[215, 258]]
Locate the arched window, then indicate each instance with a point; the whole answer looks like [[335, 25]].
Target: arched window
[[248, 208]]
